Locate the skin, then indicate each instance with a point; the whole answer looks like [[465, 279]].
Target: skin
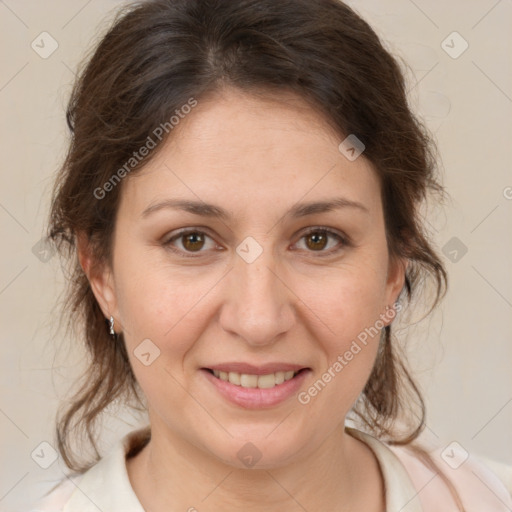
[[256, 157]]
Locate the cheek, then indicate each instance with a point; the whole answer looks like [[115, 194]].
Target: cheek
[[166, 308], [346, 310], [164, 304], [172, 305], [347, 299]]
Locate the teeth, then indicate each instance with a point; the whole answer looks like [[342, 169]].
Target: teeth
[[248, 381], [266, 381], [255, 381], [234, 378]]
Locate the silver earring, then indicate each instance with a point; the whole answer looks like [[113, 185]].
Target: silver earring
[[112, 332]]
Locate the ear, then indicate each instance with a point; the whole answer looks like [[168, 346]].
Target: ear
[[395, 281], [100, 278]]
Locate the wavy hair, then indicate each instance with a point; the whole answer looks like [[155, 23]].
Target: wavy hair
[[154, 57]]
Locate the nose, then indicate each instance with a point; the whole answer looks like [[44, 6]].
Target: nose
[[259, 302]]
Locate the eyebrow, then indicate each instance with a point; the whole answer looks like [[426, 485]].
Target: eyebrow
[[209, 210]]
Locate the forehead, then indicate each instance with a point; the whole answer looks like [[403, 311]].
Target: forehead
[[242, 150]]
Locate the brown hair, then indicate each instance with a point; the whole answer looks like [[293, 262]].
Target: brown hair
[[155, 57]]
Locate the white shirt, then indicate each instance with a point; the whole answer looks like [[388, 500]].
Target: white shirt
[[409, 485]]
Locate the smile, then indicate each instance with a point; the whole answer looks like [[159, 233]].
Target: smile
[[246, 380], [255, 390]]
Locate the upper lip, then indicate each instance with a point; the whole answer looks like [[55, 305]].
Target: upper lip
[[264, 369]]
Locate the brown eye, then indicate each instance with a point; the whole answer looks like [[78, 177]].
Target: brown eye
[[317, 239], [190, 241], [193, 241]]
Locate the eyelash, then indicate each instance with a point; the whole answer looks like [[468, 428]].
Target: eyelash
[[343, 239]]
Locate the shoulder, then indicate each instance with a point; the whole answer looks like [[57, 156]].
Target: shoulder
[[104, 486], [56, 498], [481, 483]]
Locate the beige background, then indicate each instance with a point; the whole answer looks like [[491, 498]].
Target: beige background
[[462, 356]]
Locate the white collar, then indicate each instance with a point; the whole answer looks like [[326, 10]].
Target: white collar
[[106, 485], [401, 495]]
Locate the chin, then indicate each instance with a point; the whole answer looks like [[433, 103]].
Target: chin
[[257, 450]]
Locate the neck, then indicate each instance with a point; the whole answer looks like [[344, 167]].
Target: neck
[[342, 475]]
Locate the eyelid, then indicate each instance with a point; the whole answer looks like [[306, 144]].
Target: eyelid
[[344, 240], [182, 232]]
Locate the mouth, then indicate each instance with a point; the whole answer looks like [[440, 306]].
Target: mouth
[[253, 387], [253, 381]]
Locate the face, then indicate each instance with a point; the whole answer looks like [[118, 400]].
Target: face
[[268, 288]]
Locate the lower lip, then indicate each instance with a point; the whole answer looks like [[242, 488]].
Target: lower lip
[[256, 398]]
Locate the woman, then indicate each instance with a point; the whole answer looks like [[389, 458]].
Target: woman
[[242, 195]]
